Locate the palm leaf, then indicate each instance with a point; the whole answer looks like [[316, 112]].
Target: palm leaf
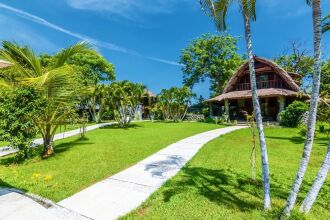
[[63, 56], [326, 23], [56, 84], [23, 59]]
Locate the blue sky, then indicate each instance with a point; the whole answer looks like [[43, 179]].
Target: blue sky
[[143, 38]]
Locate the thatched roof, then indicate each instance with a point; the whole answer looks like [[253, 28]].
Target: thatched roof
[[262, 93], [4, 64], [280, 71]]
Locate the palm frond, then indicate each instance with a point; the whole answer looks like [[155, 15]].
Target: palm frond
[[326, 23], [249, 8], [217, 10], [309, 2], [23, 59], [63, 56], [56, 84], [4, 85]]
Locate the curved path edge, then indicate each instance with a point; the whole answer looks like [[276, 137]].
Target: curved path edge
[[7, 150], [126, 190]]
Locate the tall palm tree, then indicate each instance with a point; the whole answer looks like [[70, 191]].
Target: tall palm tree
[[316, 6], [55, 82], [323, 172], [217, 9]]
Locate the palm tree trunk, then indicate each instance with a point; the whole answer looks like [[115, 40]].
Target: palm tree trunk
[[258, 117], [48, 145], [312, 111], [317, 185]]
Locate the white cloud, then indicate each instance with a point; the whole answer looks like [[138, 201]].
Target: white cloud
[[131, 8], [79, 36]]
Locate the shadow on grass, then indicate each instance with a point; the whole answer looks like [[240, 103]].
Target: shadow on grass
[[223, 187], [116, 126], [37, 151], [63, 147]]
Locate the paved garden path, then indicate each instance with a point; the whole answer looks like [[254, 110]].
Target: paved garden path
[[4, 151], [125, 191]]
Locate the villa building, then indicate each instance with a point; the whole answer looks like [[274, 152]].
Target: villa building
[[276, 89]]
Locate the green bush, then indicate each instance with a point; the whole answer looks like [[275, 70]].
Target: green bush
[[292, 114], [17, 109]]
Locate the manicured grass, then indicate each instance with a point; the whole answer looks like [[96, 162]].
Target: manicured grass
[[60, 130], [79, 163], [217, 184]]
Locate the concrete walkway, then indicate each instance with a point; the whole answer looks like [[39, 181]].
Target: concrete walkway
[[4, 151], [125, 191], [15, 205]]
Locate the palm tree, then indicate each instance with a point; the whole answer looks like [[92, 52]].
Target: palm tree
[[218, 10], [55, 82], [124, 97], [316, 6], [323, 172]]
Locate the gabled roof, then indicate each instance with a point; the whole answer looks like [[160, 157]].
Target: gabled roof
[[262, 93], [4, 64], [286, 77]]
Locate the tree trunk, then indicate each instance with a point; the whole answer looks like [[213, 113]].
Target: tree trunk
[[312, 111], [256, 107], [48, 142], [317, 185]]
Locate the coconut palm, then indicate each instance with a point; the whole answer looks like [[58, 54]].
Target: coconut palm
[[323, 172], [217, 10], [55, 82], [316, 6]]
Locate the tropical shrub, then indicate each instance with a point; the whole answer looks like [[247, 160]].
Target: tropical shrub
[[292, 114], [18, 109], [174, 103], [54, 79], [124, 97]]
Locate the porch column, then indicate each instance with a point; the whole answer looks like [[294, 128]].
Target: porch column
[[281, 101], [227, 107], [211, 110], [266, 106]]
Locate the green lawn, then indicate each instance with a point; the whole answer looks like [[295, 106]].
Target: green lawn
[[216, 183], [80, 163], [60, 130]]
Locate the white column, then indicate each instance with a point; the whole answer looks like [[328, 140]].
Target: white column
[[281, 101], [227, 106]]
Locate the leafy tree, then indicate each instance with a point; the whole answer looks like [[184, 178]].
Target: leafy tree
[[56, 83], [213, 57], [174, 102], [124, 97], [324, 105], [217, 10], [17, 111], [292, 114], [92, 68], [310, 132]]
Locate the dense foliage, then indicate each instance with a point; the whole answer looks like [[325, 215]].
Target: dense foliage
[[210, 57], [292, 114], [124, 98], [174, 103], [18, 109]]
